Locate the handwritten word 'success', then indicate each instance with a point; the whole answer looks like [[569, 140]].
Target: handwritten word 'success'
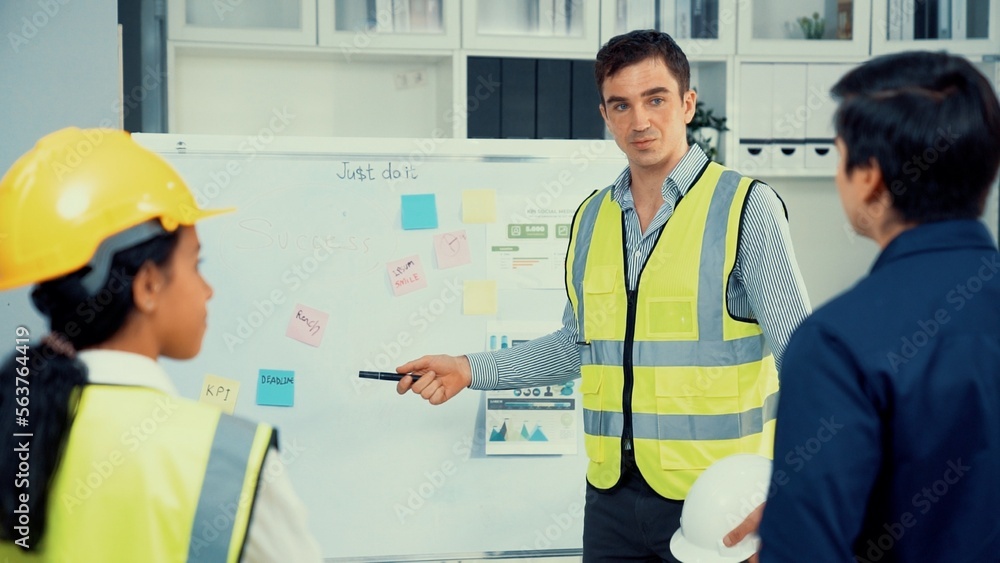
[[366, 172]]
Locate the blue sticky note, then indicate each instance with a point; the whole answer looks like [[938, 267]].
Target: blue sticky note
[[276, 387], [419, 212]]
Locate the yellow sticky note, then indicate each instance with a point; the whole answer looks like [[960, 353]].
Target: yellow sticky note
[[480, 297], [220, 392], [479, 206]]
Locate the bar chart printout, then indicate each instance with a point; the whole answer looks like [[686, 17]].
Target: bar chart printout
[[531, 421]]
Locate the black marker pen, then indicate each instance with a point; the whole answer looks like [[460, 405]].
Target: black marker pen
[[385, 375]]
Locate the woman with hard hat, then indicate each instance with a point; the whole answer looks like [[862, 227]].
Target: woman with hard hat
[[101, 460]]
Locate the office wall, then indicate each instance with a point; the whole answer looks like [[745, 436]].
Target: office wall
[[59, 63], [58, 67]]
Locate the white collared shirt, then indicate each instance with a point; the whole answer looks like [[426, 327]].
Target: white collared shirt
[[278, 529]]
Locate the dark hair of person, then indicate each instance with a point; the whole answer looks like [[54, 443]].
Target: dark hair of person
[[932, 123], [55, 378], [635, 46]]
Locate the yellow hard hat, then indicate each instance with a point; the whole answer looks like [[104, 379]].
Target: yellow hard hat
[[76, 188]]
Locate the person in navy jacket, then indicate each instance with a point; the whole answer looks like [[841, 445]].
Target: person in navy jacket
[[887, 444]]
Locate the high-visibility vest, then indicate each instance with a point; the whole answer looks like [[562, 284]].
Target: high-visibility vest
[[150, 477], [695, 383]]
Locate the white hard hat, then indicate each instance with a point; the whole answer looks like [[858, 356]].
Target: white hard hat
[[720, 499]]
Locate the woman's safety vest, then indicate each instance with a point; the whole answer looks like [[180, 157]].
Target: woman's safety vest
[[151, 477], [668, 366]]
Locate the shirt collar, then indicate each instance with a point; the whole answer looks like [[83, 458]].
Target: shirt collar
[[112, 367], [940, 235], [675, 185]]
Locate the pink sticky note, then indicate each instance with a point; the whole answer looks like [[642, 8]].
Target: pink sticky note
[[307, 325], [452, 249], [406, 275]]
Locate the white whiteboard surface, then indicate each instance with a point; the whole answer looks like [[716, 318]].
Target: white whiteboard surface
[[383, 476]]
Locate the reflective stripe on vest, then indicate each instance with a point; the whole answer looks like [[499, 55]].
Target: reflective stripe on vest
[[583, 227], [151, 477], [704, 384], [232, 448], [684, 426], [677, 353]]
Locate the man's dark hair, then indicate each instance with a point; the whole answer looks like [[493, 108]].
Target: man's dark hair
[[932, 123], [635, 46]]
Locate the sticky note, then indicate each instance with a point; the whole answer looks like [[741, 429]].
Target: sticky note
[[220, 391], [406, 275], [479, 206], [276, 387], [480, 297], [419, 212], [452, 249], [307, 325]]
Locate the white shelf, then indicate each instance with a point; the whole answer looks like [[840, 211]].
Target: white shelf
[[980, 27], [343, 73], [257, 22], [328, 95], [619, 16], [769, 27], [393, 25], [532, 26]]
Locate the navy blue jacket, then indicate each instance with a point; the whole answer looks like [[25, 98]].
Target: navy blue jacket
[[887, 445]]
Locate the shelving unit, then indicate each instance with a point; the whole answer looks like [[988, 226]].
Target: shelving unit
[[255, 22], [358, 25], [400, 68], [828, 29], [967, 27], [566, 27], [700, 27]]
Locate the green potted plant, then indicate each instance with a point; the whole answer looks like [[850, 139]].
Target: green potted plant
[[812, 28], [705, 129]]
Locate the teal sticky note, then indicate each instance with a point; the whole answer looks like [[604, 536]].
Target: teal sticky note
[[419, 212], [276, 387]]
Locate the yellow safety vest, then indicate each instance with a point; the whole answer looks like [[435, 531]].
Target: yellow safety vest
[[695, 383], [150, 477]]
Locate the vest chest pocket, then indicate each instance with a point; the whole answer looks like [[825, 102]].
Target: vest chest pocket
[[671, 317], [698, 415], [602, 291], [697, 390]]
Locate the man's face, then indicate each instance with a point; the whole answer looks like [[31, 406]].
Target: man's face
[[647, 114]]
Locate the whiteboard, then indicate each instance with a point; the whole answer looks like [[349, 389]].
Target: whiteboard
[[382, 476]]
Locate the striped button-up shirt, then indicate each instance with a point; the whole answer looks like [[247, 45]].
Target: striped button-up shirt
[[765, 284]]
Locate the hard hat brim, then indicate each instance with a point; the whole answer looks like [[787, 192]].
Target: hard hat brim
[[686, 552], [206, 213]]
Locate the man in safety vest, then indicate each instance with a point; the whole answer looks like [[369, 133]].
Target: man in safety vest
[[683, 290]]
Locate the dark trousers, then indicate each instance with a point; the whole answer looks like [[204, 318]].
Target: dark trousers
[[631, 522]]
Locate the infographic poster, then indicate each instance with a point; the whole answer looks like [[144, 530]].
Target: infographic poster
[[535, 420]]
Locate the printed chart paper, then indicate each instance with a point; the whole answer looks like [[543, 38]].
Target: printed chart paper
[[526, 248], [532, 421]]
